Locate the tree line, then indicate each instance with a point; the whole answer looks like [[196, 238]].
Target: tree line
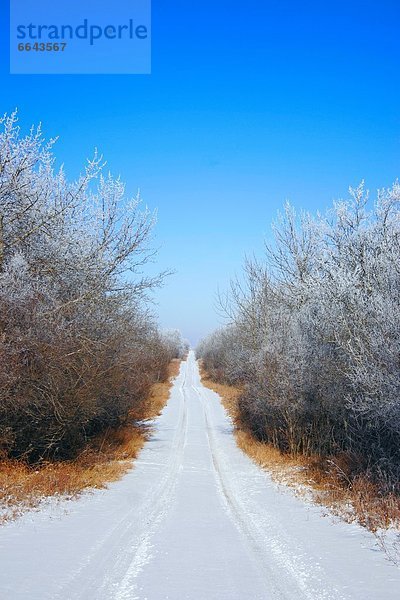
[[313, 336], [79, 345]]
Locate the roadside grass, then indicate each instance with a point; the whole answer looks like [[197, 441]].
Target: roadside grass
[[107, 458], [326, 481]]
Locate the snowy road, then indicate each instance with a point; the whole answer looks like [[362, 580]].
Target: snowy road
[[195, 519]]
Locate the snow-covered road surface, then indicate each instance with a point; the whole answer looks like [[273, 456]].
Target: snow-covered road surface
[[195, 519]]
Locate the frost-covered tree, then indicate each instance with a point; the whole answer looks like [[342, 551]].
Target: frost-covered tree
[[78, 346], [315, 332], [177, 347]]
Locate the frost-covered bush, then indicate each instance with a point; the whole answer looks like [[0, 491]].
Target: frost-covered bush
[[173, 341], [317, 334], [223, 355], [78, 349]]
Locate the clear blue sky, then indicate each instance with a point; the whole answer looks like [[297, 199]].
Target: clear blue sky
[[249, 104]]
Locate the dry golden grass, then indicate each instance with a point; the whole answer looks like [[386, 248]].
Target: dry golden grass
[[353, 499], [106, 459], [160, 391], [229, 394]]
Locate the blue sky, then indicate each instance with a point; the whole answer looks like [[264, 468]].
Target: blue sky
[[248, 104]]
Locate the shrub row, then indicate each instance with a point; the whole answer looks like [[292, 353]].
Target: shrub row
[[314, 335], [79, 348]]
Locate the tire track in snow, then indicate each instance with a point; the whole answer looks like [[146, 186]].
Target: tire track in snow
[[274, 551], [110, 569], [161, 500]]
